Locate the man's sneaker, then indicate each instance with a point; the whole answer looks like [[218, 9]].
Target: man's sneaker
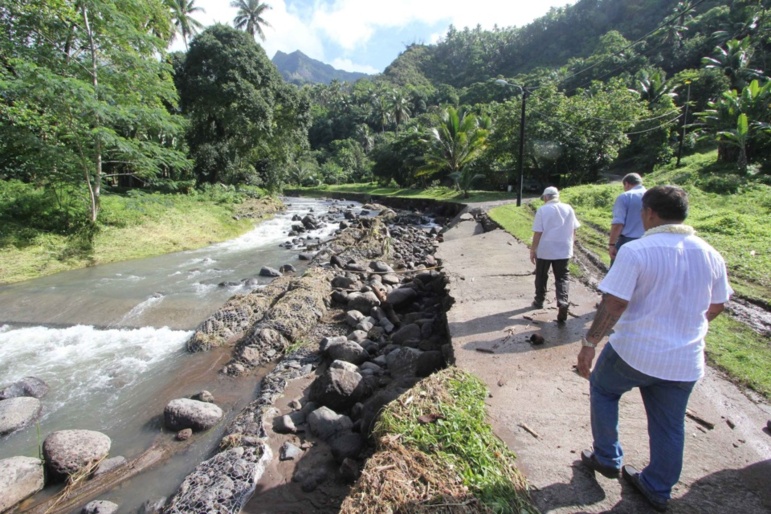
[[562, 314], [591, 462], [632, 476], [538, 305]]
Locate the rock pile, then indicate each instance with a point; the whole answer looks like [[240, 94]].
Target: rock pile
[[384, 304]]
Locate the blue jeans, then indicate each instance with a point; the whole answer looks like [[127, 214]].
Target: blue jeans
[[665, 403]]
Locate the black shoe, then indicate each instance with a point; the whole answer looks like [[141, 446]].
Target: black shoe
[[590, 461], [632, 476], [538, 305], [562, 314]]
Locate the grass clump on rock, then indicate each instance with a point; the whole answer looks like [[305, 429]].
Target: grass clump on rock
[[437, 453]]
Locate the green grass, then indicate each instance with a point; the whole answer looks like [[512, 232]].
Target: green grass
[[741, 353], [130, 227], [461, 439]]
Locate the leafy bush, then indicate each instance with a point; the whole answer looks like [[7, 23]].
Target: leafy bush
[[722, 184]]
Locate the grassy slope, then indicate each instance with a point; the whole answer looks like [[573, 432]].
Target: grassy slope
[[132, 228], [723, 220], [445, 194]]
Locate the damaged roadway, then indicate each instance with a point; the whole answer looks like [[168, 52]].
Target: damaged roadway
[[540, 407]]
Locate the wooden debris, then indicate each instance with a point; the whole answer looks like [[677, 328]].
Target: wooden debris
[[698, 419], [485, 350], [530, 430]]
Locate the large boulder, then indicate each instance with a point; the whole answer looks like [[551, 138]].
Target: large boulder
[[403, 362], [362, 302], [339, 388], [401, 295], [326, 423], [186, 413], [18, 412], [409, 332], [27, 386], [20, 477], [68, 451], [347, 351]]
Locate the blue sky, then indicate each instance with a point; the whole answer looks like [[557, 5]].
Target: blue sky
[[367, 35]]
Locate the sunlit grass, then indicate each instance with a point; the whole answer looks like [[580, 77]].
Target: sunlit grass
[[441, 193]]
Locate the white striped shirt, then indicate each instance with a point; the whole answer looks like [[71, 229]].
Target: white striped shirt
[[669, 280]]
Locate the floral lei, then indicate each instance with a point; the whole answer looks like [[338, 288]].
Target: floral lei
[[671, 229]]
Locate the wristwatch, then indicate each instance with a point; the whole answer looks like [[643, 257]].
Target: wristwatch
[[585, 342]]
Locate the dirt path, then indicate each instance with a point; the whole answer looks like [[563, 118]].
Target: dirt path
[[540, 407]]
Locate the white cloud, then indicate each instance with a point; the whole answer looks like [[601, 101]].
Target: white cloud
[[348, 65], [351, 24]]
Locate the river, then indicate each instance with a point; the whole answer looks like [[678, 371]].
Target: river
[[110, 342]]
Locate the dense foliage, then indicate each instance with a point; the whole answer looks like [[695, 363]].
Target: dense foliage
[[88, 100]]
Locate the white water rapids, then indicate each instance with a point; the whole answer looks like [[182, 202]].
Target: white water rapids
[[110, 340]]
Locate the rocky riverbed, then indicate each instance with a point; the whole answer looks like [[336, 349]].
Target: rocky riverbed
[[362, 325]]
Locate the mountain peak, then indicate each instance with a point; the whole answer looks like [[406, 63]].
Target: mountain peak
[[298, 68]]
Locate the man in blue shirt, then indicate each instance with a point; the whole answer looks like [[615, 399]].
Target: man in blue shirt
[[626, 224]]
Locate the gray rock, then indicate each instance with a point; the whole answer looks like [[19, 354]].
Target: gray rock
[[344, 282], [108, 465], [100, 507], [365, 325], [406, 333], [380, 267], [184, 434], [363, 302], [203, 396], [18, 412], [306, 256], [289, 451], [347, 366], [223, 483], [186, 413], [401, 296], [68, 451], [337, 388], [428, 363], [326, 423], [326, 342], [390, 278], [20, 478], [349, 470], [346, 445], [267, 271], [287, 268], [403, 362], [284, 425], [353, 317], [347, 351], [27, 386], [357, 336], [371, 366]]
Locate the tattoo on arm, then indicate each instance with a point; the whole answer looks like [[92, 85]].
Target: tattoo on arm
[[608, 314]]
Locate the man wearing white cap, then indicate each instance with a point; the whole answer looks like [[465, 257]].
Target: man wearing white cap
[[553, 235]]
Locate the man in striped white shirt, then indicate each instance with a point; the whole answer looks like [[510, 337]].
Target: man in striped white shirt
[[659, 298]]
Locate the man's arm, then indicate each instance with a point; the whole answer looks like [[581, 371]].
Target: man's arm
[[714, 310], [615, 233], [534, 246], [608, 313]]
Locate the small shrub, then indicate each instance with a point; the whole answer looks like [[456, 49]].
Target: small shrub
[[721, 184]]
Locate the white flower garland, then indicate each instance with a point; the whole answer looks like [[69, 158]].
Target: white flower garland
[[671, 229]]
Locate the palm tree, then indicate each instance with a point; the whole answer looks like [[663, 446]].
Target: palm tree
[[734, 62], [457, 140], [249, 17], [184, 23], [399, 107]]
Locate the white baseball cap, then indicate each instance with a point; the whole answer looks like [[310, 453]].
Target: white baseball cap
[[551, 191]]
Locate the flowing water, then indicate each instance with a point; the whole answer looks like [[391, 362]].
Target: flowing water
[[110, 342]]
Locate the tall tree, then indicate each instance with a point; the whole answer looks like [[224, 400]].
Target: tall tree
[[181, 15], [85, 97], [249, 17], [246, 123]]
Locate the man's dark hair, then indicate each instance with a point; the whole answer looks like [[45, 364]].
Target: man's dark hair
[[669, 202], [632, 179]]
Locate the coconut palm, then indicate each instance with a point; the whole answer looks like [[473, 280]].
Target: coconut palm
[[399, 107], [457, 140], [181, 16], [249, 17]]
